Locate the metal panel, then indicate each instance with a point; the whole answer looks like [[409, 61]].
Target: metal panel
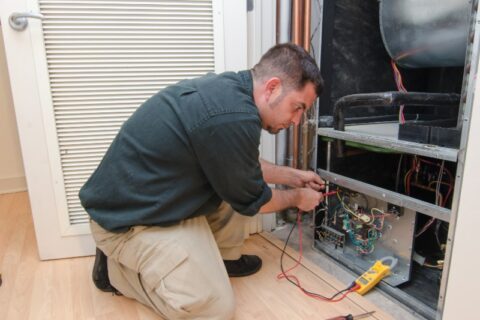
[[385, 135], [387, 195], [396, 240]]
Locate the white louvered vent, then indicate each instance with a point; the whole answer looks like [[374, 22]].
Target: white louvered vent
[[104, 59]]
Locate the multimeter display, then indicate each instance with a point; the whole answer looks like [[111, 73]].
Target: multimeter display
[[372, 276]]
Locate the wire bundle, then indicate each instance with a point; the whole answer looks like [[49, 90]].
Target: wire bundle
[[362, 245], [400, 87], [338, 296], [363, 229], [398, 76], [440, 199]]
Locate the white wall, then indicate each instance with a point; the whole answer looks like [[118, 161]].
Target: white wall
[[12, 175], [461, 297]]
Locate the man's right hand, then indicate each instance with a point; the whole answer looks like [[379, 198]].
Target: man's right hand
[[308, 199], [304, 199]]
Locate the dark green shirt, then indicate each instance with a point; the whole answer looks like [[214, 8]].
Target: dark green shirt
[[180, 154]]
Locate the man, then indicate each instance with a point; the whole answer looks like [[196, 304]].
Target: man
[[169, 200]]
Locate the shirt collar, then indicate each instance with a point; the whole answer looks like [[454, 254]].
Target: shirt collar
[[247, 80]]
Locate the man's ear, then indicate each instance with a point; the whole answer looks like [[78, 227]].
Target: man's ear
[[273, 88]]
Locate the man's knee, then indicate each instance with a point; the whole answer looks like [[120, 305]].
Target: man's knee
[[211, 302], [174, 300], [174, 279], [224, 307]]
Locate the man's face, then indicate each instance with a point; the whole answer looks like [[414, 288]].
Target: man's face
[[288, 107]]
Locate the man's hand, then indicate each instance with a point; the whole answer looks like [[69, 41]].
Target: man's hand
[[304, 199], [307, 199], [308, 179], [291, 177]]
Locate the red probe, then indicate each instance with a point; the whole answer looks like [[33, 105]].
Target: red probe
[[331, 193]]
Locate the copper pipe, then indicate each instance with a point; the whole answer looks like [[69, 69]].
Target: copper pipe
[[306, 46], [297, 26], [301, 20], [304, 146], [297, 38], [307, 21]]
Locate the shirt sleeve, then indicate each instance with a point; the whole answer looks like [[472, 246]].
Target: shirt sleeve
[[227, 149]]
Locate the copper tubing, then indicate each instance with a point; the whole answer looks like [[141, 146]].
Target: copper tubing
[[306, 46], [297, 26], [297, 38], [301, 20], [307, 21]]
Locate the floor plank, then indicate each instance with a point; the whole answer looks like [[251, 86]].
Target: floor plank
[[329, 281], [62, 289]]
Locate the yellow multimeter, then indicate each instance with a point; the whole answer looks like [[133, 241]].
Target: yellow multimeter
[[376, 273]]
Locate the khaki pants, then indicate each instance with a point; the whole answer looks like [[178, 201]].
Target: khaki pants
[[178, 271]]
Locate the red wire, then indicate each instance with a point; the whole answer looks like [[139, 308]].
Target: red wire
[[450, 178], [400, 87], [445, 199], [425, 227], [407, 182], [284, 275], [408, 53], [331, 193], [300, 241]]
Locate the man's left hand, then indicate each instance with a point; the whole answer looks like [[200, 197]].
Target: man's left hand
[[308, 179]]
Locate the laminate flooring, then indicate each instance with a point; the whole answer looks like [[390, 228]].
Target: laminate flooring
[[62, 289]]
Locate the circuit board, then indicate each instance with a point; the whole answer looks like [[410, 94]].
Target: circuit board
[[357, 230]]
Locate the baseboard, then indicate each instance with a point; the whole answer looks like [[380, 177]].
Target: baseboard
[[11, 185]]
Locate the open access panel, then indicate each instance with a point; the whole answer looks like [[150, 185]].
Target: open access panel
[[399, 76]]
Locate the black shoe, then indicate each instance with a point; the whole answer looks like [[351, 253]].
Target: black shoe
[[245, 266], [100, 273]]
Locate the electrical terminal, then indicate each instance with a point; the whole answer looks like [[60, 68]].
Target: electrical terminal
[[364, 218]]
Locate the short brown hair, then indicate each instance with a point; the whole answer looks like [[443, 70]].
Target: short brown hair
[[291, 64]]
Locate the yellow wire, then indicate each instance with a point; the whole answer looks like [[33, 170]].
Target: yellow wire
[[346, 208], [378, 210]]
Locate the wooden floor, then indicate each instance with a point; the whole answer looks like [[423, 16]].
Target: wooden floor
[[62, 289]]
